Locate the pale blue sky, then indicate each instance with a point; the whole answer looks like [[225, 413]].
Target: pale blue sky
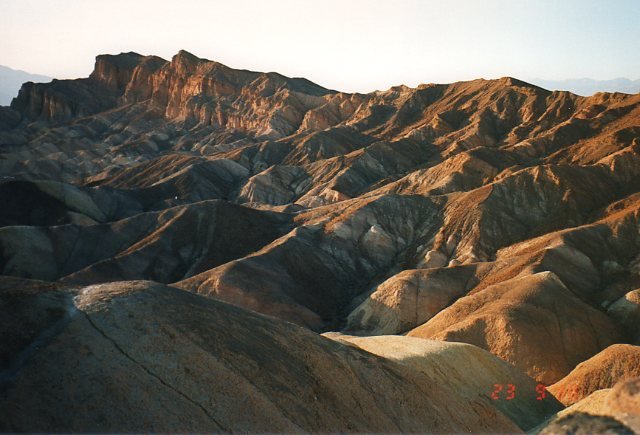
[[343, 44]]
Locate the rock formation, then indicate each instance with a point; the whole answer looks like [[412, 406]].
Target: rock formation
[[618, 406], [489, 212], [469, 370], [616, 363], [584, 424], [534, 322], [140, 356]]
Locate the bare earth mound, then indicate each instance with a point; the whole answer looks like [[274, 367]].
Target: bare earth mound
[[533, 322], [139, 356], [470, 371], [615, 363]]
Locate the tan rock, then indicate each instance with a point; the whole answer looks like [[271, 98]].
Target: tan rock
[[139, 356], [610, 366], [620, 403], [467, 369], [533, 322], [409, 299]]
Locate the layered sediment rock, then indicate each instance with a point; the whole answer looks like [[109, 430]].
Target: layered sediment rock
[[490, 212]]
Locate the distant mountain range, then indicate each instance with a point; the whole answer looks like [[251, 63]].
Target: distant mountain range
[[11, 80], [587, 87]]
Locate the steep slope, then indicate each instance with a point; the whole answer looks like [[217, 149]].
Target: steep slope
[[48, 203], [412, 297], [310, 275]]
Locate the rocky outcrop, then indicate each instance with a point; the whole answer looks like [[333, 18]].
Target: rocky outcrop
[[412, 297], [277, 185], [627, 311], [62, 100], [197, 90], [115, 72], [583, 423]]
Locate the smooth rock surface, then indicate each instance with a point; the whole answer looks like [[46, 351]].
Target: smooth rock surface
[[140, 356]]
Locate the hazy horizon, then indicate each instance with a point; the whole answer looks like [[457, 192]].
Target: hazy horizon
[[351, 46]]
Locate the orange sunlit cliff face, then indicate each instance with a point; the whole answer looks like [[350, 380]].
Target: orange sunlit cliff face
[[187, 247]]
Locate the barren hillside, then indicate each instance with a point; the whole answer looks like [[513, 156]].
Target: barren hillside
[[489, 212]]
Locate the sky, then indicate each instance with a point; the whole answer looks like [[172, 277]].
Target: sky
[[348, 45]]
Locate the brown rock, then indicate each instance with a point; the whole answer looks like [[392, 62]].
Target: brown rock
[[627, 311], [533, 322], [488, 211], [139, 356], [410, 298], [615, 363], [467, 369], [584, 424], [625, 397], [622, 403]]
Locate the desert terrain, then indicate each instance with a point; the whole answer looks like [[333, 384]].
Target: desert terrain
[[188, 247]]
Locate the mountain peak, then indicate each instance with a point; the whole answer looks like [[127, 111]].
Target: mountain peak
[[128, 57], [184, 55], [115, 70], [512, 81]]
